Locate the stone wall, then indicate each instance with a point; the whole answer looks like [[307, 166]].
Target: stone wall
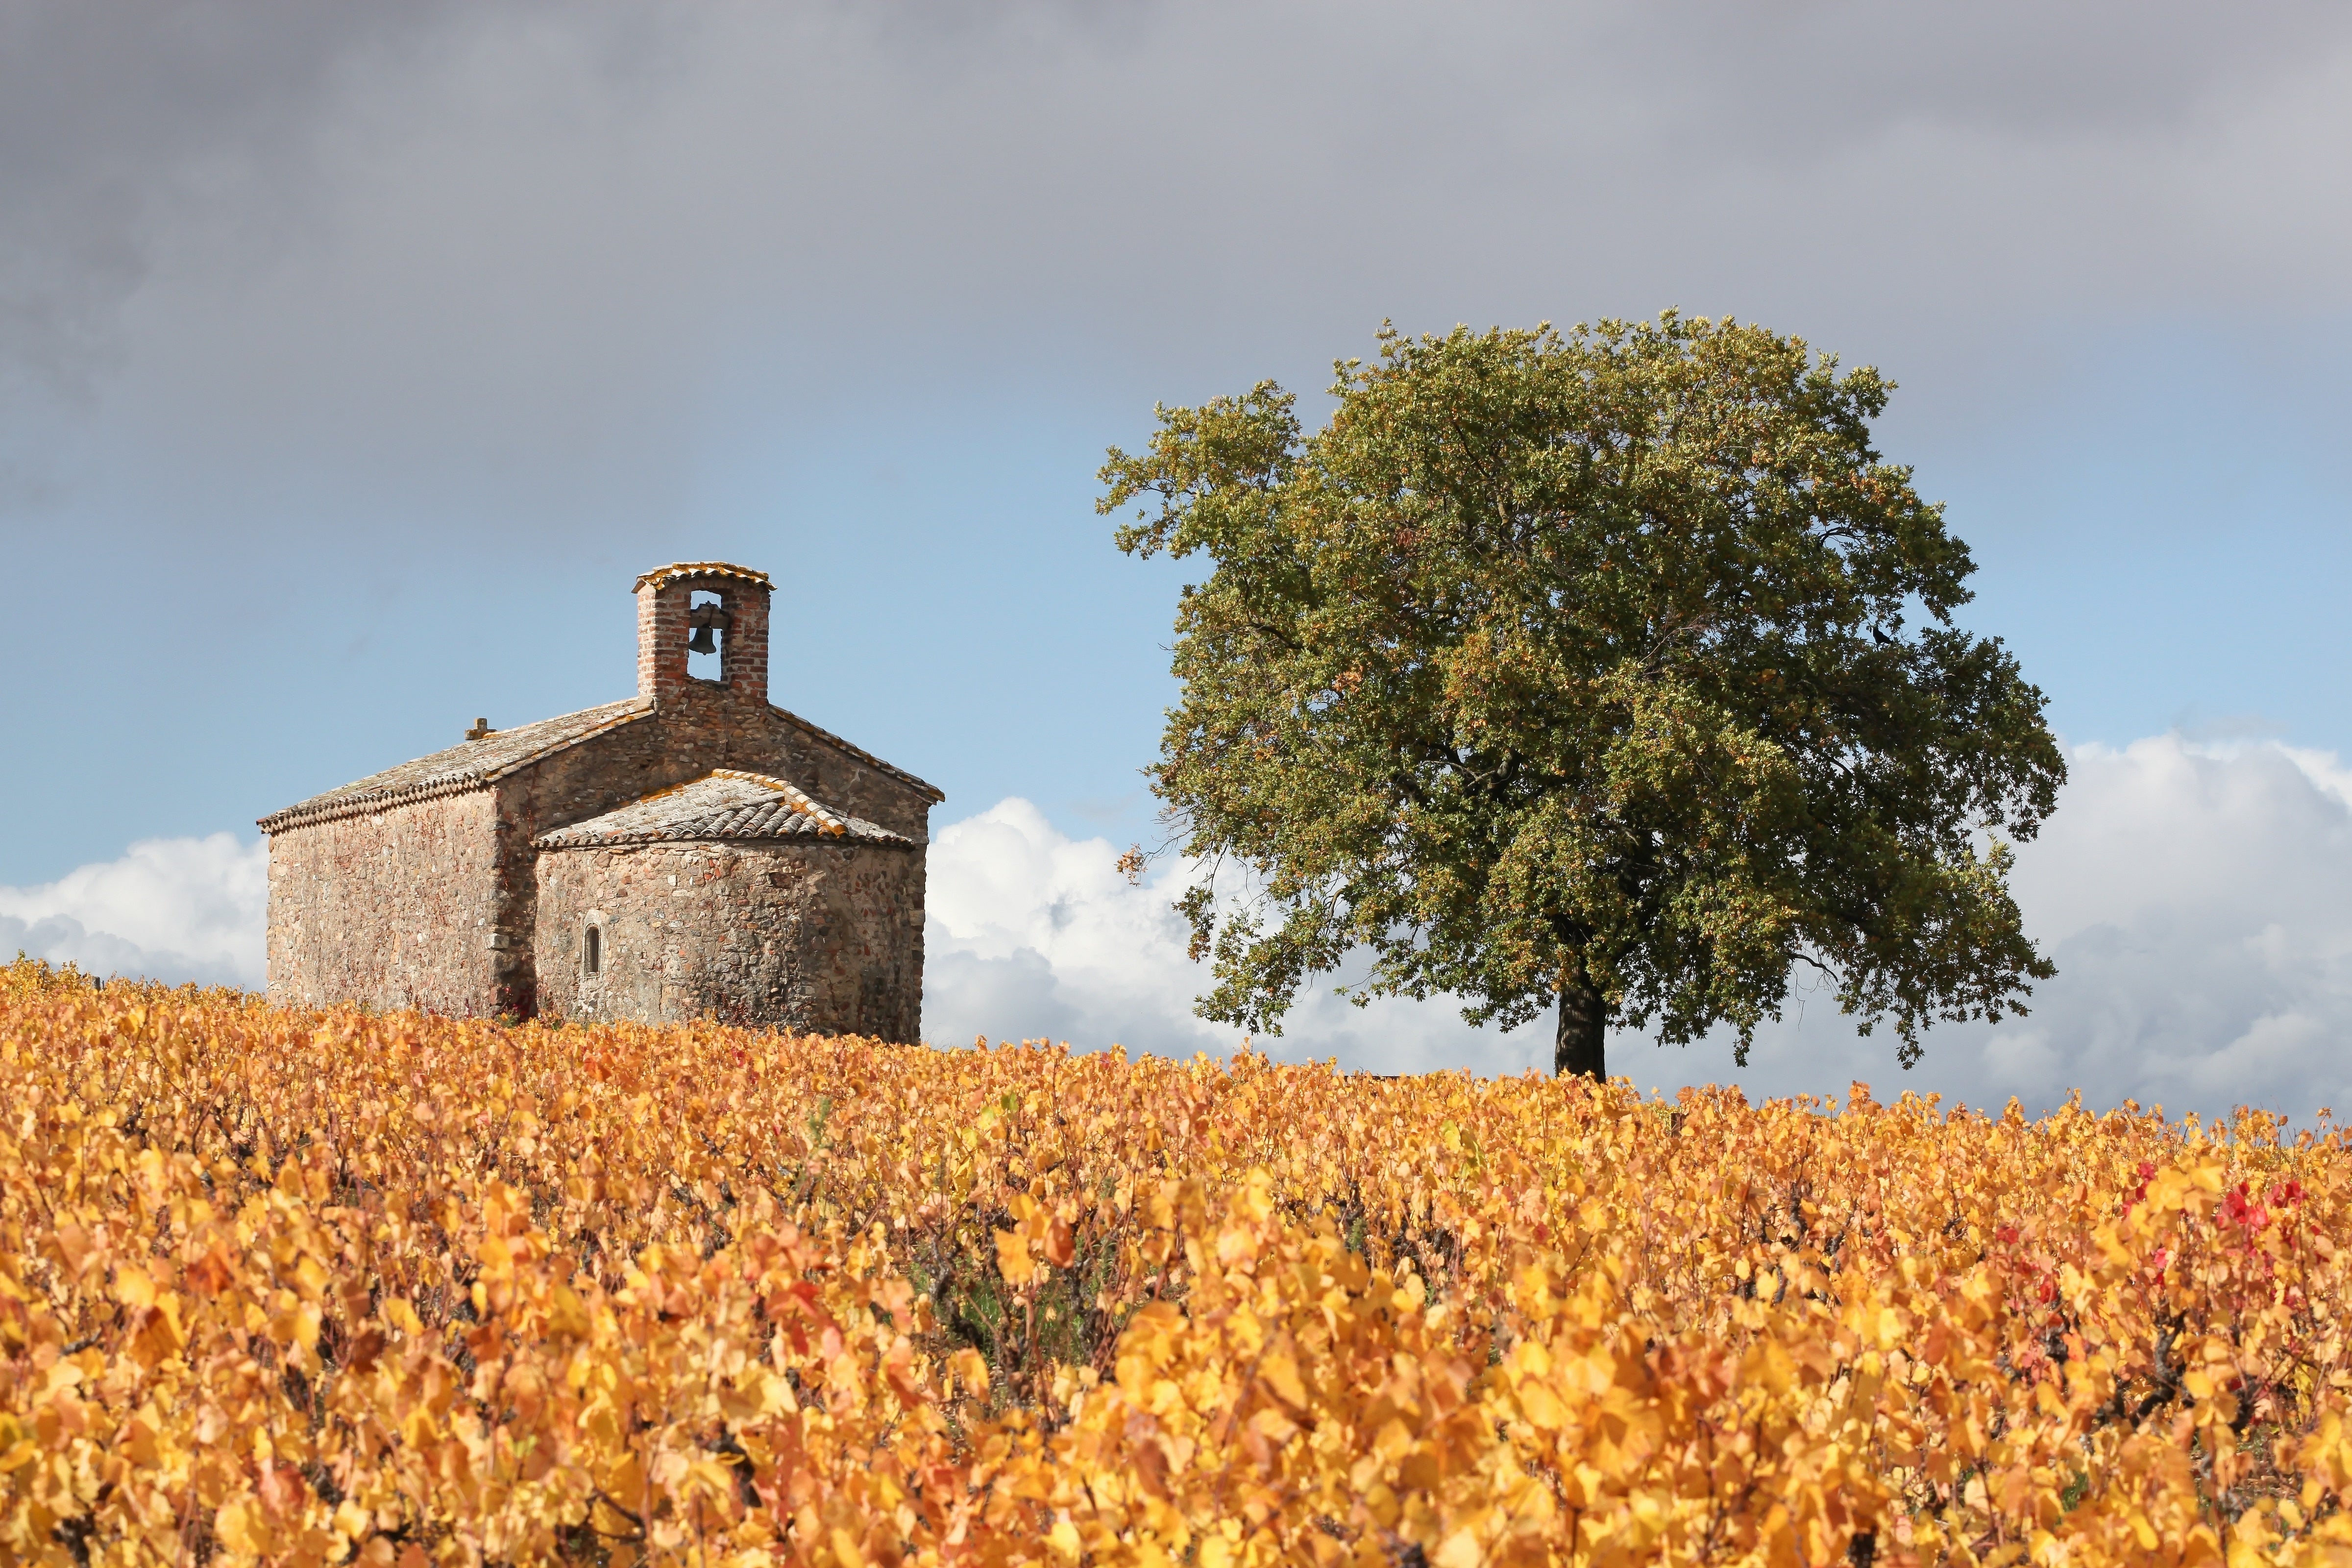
[[687, 736], [395, 908], [376, 908], [814, 936], [705, 727]]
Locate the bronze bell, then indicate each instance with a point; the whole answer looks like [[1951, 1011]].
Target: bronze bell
[[702, 641]]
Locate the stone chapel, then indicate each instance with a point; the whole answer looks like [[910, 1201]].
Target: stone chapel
[[694, 851]]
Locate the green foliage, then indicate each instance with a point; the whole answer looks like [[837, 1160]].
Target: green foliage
[[1555, 659]]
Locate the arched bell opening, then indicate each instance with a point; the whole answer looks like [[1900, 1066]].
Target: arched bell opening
[[707, 622]]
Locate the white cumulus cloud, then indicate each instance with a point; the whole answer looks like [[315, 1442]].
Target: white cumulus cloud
[[1034, 934], [170, 909], [2198, 900]]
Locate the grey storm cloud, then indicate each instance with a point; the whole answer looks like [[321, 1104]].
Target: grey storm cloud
[[125, 128], [540, 243]]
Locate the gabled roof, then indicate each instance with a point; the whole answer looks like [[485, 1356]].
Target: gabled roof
[[468, 765], [929, 791], [472, 764], [725, 803]]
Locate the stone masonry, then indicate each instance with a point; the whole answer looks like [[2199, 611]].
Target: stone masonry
[[466, 882]]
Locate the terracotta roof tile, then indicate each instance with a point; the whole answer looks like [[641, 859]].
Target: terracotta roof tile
[[676, 569]]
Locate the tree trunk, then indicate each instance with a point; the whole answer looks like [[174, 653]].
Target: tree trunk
[[1580, 1046]]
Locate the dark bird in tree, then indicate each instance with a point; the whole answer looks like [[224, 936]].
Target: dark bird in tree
[[1537, 677]]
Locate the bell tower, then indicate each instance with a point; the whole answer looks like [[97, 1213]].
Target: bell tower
[[732, 623]]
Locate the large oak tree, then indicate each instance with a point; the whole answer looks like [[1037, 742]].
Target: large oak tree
[[1613, 669]]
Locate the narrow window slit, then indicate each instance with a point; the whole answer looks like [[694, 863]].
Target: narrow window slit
[[594, 958]]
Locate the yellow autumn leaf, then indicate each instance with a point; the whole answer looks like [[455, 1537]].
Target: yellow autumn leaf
[[243, 1528], [1281, 1373], [1459, 1550], [134, 1287], [1012, 1259]]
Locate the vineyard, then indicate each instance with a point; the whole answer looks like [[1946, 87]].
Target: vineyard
[[314, 1287]]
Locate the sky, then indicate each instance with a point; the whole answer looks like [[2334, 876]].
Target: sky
[[354, 359]]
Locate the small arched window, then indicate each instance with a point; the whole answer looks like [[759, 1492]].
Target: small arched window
[[593, 952]]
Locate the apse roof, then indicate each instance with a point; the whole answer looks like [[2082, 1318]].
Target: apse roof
[[725, 803]]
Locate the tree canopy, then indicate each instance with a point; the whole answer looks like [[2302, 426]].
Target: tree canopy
[[1612, 668]]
